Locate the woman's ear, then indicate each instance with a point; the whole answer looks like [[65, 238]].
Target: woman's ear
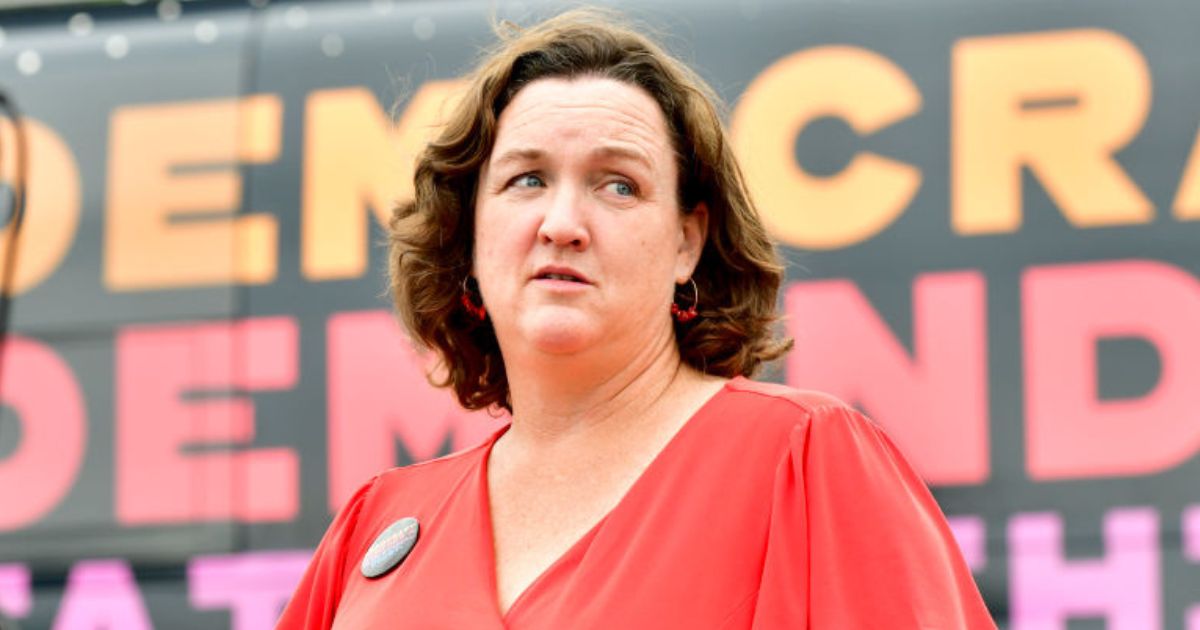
[[695, 234]]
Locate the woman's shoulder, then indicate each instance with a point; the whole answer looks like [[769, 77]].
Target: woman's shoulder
[[789, 407], [805, 400], [416, 488], [419, 483], [770, 420], [434, 475]]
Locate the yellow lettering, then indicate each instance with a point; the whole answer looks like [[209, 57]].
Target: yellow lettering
[[174, 191], [355, 159], [866, 90], [52, 203], [1059, 103], [1187, 200]]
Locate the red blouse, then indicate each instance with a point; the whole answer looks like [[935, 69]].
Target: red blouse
[[771, 508]]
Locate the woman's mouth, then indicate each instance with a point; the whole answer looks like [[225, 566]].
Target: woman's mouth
[[559, 276]]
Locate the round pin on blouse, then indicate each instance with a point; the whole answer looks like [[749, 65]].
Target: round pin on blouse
[[391, 547]]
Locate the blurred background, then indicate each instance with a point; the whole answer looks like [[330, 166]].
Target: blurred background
[[990, 211]]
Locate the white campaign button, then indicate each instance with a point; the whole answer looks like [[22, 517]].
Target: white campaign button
[[391, 547]]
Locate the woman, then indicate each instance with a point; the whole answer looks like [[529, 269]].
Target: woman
[[582, 253]]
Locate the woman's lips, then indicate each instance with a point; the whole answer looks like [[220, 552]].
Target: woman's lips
[[560, 284], [558, 276], [554, 273]]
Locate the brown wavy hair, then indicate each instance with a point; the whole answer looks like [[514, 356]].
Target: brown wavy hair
[[432, 237]]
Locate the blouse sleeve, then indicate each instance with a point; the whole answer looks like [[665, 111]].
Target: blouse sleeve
[[857, 541], [315, 600]]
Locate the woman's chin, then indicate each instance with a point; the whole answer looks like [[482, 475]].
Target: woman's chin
[[561, 334]]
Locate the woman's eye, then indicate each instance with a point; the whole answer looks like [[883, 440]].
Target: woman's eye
[[623, 189], [527, 180]]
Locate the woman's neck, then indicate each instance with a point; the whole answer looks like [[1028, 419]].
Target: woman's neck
[[556, 399]]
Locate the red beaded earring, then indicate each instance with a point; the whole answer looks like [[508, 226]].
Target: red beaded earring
[[684, 316], [476, 311]]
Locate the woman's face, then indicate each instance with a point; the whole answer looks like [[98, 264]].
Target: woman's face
[[579, 238]]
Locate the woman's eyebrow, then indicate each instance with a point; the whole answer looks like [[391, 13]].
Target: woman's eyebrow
[[518, 155], [623, 153]]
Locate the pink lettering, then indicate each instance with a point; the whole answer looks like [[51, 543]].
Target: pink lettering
[[1067, 308], [254, 586], [1123, 587], [1191, 551], [377, 392], [934, 404], [45, 396], [1191, 533], [971, 534], [156, 366], [102, 594], [15, 598]]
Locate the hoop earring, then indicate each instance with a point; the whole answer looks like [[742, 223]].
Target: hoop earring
[[476, 311], [684, 316]]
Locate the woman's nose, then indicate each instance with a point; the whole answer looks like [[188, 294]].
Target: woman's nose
[[565, 224]]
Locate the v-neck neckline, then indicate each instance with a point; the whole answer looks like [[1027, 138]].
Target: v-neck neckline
[[485, 508]]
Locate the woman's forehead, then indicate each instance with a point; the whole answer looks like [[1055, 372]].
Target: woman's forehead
[[620, 119]]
